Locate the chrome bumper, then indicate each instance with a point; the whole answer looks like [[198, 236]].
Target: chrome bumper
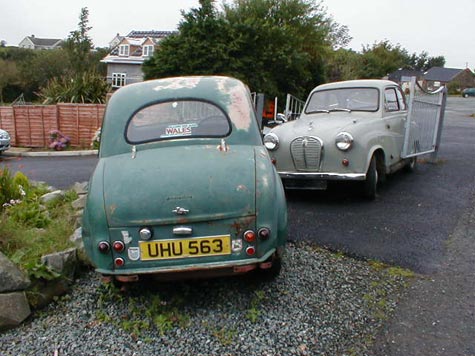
[[322, 176]]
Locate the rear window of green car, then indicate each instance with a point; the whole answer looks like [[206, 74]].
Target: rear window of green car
[[177, 119]]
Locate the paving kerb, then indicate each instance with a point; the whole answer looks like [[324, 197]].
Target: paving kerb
[[26, 152]]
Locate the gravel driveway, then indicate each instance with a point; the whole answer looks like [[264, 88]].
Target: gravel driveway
[[321, 304]]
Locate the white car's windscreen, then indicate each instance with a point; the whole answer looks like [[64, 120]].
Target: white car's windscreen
[[344, 99]]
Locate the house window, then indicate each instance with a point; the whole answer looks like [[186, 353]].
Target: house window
[[118, 79], [124, 50], [148, 51]]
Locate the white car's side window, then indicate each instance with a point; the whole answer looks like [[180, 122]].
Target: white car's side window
[[390, 100], [401, 98]]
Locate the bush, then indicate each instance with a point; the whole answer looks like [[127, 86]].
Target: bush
[[82, 88], [29, 229], [10, 191]]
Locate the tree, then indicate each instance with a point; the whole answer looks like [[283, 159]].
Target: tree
[[275, 46], [37, 70], [381, 59], [8, 75], [281, 45], [201, 46], [423, 62], [82, 83], [79, 44], [343, 64]]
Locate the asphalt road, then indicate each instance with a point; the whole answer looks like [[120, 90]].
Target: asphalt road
[[59, 172], [407, 225]]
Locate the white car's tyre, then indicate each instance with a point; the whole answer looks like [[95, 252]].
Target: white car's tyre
[[371, 183]]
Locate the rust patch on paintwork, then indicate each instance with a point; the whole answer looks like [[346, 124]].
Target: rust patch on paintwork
[[112, 209], [178, 83], [182, 220], [240, 225], [242, 188], [240, 108]]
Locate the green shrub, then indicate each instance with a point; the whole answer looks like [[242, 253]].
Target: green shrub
[[9, 190], [29, 214], [28, 229]]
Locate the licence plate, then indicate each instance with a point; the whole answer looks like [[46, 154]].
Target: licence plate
[[183, 248]]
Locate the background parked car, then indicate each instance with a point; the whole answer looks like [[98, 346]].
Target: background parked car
[[351, 130], [4, 141], [468, 92], [184, 184]]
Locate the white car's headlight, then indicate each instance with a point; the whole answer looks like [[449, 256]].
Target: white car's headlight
[[344, 141], [271, 141]]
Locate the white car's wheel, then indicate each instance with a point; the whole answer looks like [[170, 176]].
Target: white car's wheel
[[371, 183]]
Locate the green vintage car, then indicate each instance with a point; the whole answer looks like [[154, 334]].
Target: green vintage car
[[184, 186]]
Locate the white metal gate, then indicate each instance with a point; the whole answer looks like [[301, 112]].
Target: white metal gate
[[424, 121], [293, 107]]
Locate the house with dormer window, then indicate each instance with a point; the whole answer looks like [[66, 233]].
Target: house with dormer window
[[128, 53]]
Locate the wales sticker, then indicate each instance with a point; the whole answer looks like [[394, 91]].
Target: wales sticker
[[179, 130]]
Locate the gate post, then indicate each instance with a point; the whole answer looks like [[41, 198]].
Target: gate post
[[442, 103], [259, 108]]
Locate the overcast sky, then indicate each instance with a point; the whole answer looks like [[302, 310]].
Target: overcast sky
[[440, 27]]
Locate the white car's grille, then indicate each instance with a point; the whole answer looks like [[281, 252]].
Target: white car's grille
[[306, 153]]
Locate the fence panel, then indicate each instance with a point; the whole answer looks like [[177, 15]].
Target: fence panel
[[30, 125], [7, 122]]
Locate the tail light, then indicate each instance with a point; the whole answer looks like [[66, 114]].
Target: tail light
[[118, 246], [119, 262], [251, 250], [103, 246], [250, 236], [263, 233]]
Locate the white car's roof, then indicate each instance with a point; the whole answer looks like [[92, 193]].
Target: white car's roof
[[373, 83]]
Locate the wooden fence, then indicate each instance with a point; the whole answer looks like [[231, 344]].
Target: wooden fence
[[31, 125]]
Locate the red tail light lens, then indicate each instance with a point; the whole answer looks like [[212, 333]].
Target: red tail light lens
[[263, 233], [119, 262], [251, 251], [250, 236], [103, 246], [118, 246]]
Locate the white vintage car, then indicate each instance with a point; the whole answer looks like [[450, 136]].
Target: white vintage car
[[351, 130]]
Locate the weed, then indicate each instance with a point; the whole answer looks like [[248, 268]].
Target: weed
[[253, 312], [225, 336], [400, 272], [378, 265], [145, 312]]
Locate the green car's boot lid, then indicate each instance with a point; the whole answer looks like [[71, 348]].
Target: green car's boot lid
[[201, 180]]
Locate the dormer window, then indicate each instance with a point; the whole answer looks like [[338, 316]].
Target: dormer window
[[148, 50], [124, 50]]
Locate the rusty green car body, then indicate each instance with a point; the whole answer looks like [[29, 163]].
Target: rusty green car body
[[183, 184]]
